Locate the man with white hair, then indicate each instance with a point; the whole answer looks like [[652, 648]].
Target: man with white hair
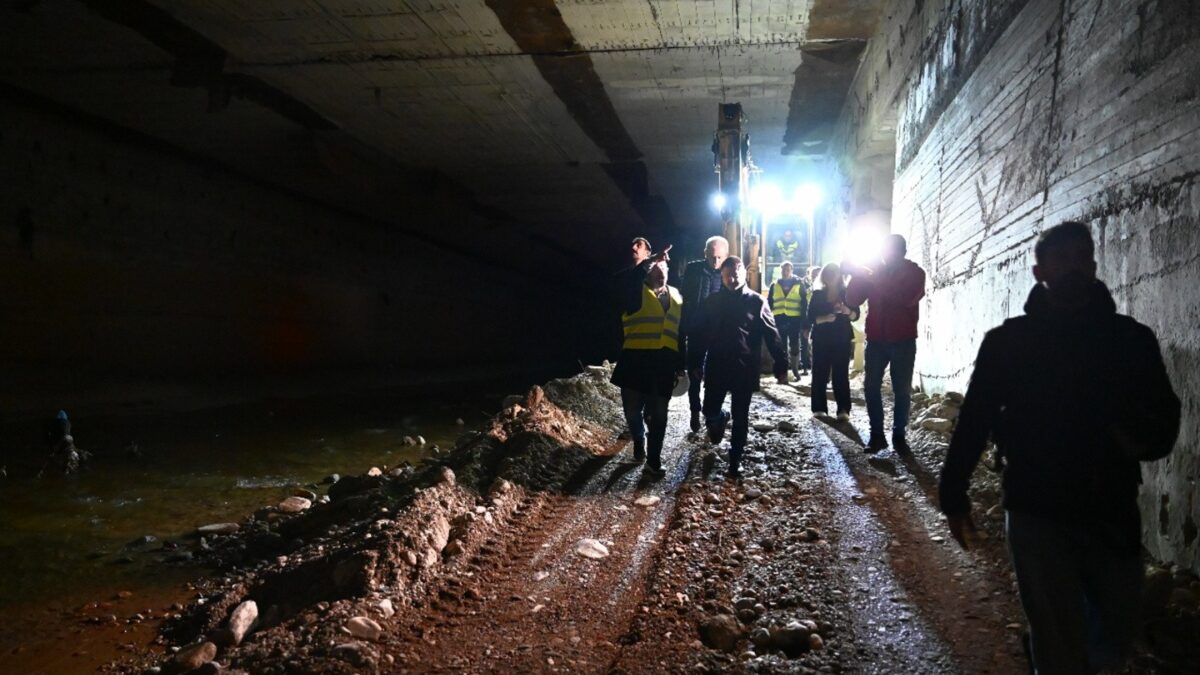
[[701, 279]]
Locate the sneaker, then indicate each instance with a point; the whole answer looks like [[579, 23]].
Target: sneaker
[[820, 414], [695, 420], [876, 443], [717, 431], [639, 451], [843, 416], [796, 373], [900, 444], [654, 472], [733, 473]]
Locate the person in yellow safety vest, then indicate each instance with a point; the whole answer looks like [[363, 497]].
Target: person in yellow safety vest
[[786, 247], [789, 302], [652, 358]]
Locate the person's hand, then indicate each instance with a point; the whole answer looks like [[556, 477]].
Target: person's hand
[[841, 308], [962, 528], [661, 255]]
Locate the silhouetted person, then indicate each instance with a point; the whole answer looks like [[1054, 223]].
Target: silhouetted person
[[789, 303], [701, 278], [811, 277], [829, 316], [651, 360], [892, 291], [1075, 396], [736, 322]]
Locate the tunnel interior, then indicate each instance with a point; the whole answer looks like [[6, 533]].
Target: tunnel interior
[[209, 203]]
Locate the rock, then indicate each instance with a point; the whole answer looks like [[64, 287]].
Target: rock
[[792, 638], [294, 505], [191, 658], [937, 424], [210, 668], [712, 498], [374, 471], [882, 464], [721, 632], [761, 637], [454, 548], [420, 440], [540, 575], [815, 642], [1156, 591], [647, 500], [762, 427], [364, 628], [408, 441], [747, 615], [445, 476], [386, 608], [500, 486], [459, 421], [331, 479], [511, 400], [954, 396], [307, 494], [591, 548], [218, 528], [947, 411], [752, 493], [242, 620], [787, 426]]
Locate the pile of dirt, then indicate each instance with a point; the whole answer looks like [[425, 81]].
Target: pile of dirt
[[308, 591]]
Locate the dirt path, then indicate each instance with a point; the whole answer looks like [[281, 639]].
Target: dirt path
[[815, 533]]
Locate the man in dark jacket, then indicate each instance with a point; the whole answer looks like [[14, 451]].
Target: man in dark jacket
[[1075, 396], [701, 279], [892, 292], [736, 321]]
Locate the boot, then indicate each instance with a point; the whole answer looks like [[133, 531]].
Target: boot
[[900, 444], [639, 451], [695, 420], [876, 442], [716, 431], [735, 461]]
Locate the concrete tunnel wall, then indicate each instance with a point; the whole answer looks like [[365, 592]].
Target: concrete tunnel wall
[[120, 259], [1014, 116]]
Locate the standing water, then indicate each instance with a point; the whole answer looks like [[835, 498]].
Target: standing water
[[113, 540]]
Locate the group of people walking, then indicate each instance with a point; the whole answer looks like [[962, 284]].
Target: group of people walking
[[1074, 395], [712, 332]]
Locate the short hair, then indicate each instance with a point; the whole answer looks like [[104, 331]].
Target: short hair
[[642, 240], [732, 261], [901, 241], [713, 241], [1061, 234], [786, 263]]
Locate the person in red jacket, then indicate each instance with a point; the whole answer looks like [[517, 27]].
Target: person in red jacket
[[892, 291]]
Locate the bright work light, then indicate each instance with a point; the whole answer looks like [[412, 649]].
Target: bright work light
[[717, 201]]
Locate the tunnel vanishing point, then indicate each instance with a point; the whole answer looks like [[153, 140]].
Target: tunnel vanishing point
[[250, 199]]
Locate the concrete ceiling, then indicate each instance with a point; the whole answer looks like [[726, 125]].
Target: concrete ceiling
[[576, 123]]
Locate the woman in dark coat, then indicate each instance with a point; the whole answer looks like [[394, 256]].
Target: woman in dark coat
[[828, 321]]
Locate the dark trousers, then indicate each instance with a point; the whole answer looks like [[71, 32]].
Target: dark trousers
[[654, 408], [1079, 592], [831, 360], [714, 400], [789, 330], [900, 356], [694, 394], [805, 351]]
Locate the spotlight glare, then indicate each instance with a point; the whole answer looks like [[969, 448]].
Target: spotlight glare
[[717, 201], [807, 198]]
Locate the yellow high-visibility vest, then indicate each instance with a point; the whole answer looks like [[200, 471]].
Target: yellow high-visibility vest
[[787, 304], [652, 328], [786, 250]]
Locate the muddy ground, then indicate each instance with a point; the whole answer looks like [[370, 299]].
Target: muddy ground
[[536, 545]]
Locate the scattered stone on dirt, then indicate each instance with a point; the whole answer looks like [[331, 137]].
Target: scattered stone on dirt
[[294, 505], [647, 500], [364, 627], [721, 632], [591, 548], [242, 620], [190, 658], [218, 528]]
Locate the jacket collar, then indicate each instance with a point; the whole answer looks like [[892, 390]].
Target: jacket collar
[[1100, 302]]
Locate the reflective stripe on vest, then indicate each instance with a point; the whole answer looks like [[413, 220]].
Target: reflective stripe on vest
[[787, 304], [650, 327]]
